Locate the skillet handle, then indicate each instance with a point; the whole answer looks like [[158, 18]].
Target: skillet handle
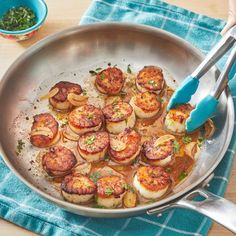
[[217, 208]]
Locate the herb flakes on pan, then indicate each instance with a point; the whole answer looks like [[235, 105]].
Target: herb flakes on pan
[[92, 72], [159, 99], [95, 205], [176, 146], [109, 191], [122, 94], [186, 139], [200, 141], [129, 69], [95, 176], [20, 146], [183, 175]]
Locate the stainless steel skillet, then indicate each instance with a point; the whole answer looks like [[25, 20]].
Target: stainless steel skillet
[[69, 55]]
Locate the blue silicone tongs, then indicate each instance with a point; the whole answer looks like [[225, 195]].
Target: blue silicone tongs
[[207, 106]]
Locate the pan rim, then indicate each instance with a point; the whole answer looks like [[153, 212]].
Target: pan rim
[[79, 208]]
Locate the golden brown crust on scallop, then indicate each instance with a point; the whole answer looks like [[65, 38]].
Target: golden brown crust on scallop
[[43, 120], [153, 178], [110, 186], [58, 161], [117, 112], [65, 88], [110, 80], [93, 142], [132, 141], [180, 113], [86, 116], [150, 78], [78, 184], [160, 152], [147, 101]]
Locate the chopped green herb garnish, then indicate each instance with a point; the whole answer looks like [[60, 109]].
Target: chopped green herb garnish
[[129, 187], [106, 157], [90, 140], [116, 109], [135, 160], [129, 69], [19, 147], [84, 92], [168, 169], [99, 68], [123, 94], [176, 146], [92, 72], [102, 76], [64, 124], [95, 176], [120, 115], [95, 205], [200, 141], [151, 82], [159, 99], [109, 191], [183, 175], [186, 139], [18, 18], [90, 116], [115, 101]]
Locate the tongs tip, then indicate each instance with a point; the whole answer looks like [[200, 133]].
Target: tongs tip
[[184, 93], [204, 109]]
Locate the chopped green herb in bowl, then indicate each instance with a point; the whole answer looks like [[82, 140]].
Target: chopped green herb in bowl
[[18, 18], [21, 19]]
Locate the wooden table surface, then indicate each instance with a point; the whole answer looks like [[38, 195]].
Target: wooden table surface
[[63, 14]]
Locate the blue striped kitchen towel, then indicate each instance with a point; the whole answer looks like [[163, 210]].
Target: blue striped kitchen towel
[[23, 207]]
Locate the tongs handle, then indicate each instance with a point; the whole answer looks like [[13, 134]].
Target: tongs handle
[[216, 53], [224, 77], [207, 106]]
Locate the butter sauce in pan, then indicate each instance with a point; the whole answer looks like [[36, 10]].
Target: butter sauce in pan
[[125, 152]]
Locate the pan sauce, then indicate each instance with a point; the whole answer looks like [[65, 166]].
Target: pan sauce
[[179, 169]]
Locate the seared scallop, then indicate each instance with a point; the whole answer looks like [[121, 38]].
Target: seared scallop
[[151, 79], [145, 105], [118, 117], [92, 146], [67, 95], [125, 147], [58, 161], [159, 151], [78, 188], [44, 131], [151, 182], [85, 119], [176, 118], [110, 81], [110, 191]]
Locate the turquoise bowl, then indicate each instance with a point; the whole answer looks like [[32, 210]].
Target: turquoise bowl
[[40, 9]]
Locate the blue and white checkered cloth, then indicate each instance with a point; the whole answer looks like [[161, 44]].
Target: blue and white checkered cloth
[[23, 207]]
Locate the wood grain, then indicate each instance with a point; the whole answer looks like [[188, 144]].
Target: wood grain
[[64, 14]]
